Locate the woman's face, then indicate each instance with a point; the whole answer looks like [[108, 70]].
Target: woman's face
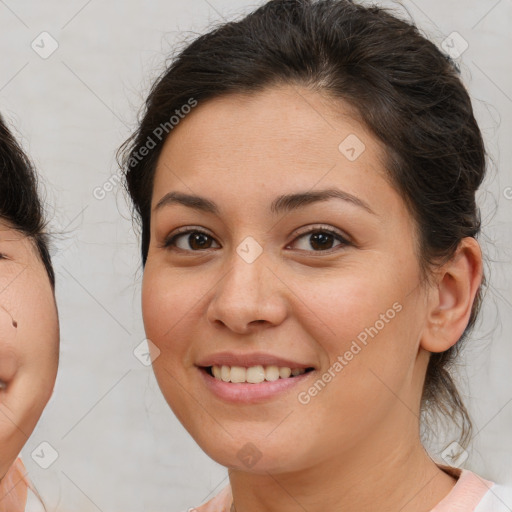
[[329, 286], [29, 341]]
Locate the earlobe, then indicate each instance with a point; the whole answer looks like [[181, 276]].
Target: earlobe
[[453, 297]]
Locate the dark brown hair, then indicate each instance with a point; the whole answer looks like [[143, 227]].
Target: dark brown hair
[[405, 90], [20, 205]]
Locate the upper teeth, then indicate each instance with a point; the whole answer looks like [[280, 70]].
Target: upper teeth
[[254, 374]]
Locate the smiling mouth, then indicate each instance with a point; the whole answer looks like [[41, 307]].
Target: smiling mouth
[[253, 374]]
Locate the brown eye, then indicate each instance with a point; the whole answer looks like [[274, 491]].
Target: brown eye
[[194, 240], [319, 240]]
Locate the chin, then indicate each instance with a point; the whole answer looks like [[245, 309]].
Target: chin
[[257, 455]]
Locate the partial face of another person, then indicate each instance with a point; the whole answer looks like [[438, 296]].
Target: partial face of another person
[[326, 290], [29, 341]]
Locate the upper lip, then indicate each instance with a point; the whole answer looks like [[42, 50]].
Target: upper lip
[[248, 360]]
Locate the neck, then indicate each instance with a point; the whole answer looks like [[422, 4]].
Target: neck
[[385, 475]]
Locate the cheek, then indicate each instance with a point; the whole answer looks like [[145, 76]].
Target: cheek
[[367, 326], [9, 360], [168, 306], [38, 328], [169, 301], [29, 352], [350, 305], [369, 365]]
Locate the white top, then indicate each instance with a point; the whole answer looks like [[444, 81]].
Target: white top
[[497, 499]]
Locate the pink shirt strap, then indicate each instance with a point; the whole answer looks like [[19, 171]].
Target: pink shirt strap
[[467, 493]]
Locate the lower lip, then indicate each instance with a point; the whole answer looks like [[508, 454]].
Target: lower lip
[[246, 393]]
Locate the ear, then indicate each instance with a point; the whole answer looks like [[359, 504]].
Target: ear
[[451, 300]]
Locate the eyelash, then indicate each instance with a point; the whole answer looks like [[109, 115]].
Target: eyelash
[[169, 242]]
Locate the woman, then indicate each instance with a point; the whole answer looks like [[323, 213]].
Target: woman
[[305, 181], [29, 328]]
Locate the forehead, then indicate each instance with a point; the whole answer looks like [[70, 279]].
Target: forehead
[[289, 122], [9, 232], [263, 143]]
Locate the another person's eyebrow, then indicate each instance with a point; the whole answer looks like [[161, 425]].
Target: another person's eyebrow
[[281, 204]]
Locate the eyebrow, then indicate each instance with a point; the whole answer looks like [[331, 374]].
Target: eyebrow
[[282, 204]]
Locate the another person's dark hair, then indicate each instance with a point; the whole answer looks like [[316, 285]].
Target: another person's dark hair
[[20, 205], [404, 89]]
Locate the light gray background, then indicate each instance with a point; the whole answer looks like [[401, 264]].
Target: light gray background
[[120, 447]]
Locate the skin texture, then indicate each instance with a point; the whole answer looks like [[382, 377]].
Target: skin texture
[[355, 445], [28, 351]]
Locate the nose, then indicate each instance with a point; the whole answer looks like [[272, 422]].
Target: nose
[[248, 296]]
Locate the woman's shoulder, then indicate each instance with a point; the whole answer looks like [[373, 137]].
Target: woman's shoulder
[[219, 503]]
